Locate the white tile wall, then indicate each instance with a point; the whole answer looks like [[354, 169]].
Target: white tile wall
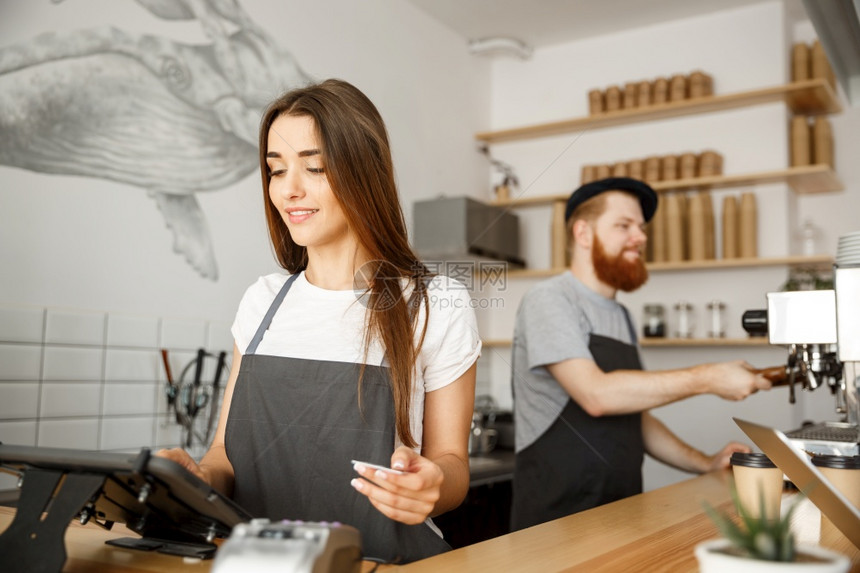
[[18, 433], [167, 432], [188, 334], [20, 362], [70, 399], [21, 324], [75, 327], [127, 433], [133, 365], [19, 400], [69, 363], [95, 380], [122, 399], [220, 338], [132, 331], [69, 433]]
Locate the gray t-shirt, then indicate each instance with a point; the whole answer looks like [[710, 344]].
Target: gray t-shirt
[[553, 324]]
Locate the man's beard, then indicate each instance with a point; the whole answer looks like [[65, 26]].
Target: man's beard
[[618, 272]]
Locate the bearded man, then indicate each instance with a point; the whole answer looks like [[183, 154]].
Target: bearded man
[[581, 399]]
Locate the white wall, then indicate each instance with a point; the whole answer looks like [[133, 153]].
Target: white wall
[[553, 86], [95, 257]]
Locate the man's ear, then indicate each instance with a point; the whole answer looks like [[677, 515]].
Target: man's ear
[[583, 233]]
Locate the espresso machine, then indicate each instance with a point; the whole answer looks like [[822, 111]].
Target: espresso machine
[[821, 329]]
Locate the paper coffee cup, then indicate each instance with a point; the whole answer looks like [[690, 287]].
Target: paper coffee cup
[[843, 473], [757, 479]]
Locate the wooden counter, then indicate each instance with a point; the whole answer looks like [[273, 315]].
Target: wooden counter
[[655, 531]]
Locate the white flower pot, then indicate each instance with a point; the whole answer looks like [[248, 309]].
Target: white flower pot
[[711, 560]]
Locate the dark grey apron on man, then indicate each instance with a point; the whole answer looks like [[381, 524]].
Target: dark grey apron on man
[[581, 461], [293, 428]]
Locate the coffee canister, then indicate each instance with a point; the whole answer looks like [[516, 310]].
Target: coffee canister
[[653, 169], [820, 65], [687, 166], [619, 169], [643, 94], [731, 234], [800, 141], [636, 169], [700, 84], [822, 142], [613, 99], [678, 88], [630, 98], [710, 164], [588, 174], [748, 225], [674, 227], [595, 102], [658, 233], [697, 231], [799, 62], [669, 167], [710, 235], [602, 171], [660, 92]]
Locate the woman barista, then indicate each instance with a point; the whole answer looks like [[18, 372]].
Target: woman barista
[[357, 353]]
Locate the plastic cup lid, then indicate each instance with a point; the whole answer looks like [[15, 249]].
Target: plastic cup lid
[[753, 460], [837, 462]]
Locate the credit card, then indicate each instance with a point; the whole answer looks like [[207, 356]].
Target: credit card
[[377, 467]]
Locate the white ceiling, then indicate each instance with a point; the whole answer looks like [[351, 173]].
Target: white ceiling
[[541, 23]]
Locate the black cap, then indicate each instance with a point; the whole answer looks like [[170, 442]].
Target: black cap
[[647, 196]]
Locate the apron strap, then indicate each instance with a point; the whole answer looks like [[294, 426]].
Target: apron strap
[[267, 320], [633, 338]]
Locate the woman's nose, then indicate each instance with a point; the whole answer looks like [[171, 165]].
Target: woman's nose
[[292, 187]]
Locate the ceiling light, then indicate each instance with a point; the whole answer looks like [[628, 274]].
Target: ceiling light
[[500, 46]]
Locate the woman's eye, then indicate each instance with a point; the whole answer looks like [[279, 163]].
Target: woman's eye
[[316, 170], [276, 172]]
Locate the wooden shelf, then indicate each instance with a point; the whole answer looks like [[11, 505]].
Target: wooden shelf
[[665, 342], [808, 97], [791, 261], [807, 179], [675, 342], [817, 261]]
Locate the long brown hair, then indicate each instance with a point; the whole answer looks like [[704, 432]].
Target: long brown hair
[[356, 155]]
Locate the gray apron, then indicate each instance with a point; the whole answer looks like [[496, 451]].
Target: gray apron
[[293, 427], [581, 461]]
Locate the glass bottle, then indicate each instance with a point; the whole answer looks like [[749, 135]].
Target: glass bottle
[[654, 324], [684, 320], [716, 310]]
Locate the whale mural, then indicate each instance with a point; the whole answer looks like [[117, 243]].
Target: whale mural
[[172, 118]]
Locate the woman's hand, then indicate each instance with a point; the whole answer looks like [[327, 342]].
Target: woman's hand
[[409, 497], [185, 460]]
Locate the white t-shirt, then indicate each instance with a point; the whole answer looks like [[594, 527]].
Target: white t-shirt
[[318, 324]]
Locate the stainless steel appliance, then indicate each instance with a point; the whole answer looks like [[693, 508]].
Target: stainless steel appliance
[[821, 330], [463, 229]]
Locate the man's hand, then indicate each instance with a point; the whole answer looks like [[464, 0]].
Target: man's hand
[[722, 459], [732, 380]]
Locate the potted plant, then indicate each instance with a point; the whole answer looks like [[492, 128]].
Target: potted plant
[[758, 544]]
